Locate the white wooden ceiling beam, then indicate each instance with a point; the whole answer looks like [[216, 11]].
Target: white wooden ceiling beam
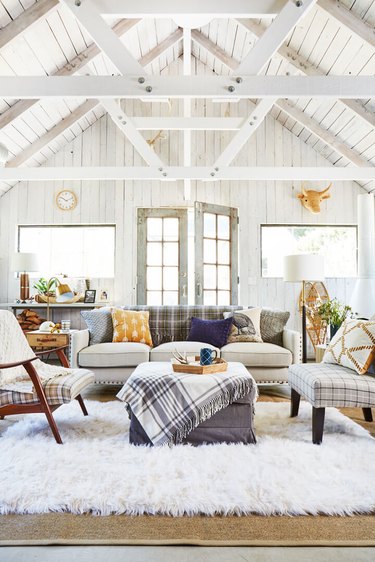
[[187, 123], [298, 62], [52, 134], [323, 134], [269, 42], [103, 35], [26, 20], [348, 19], [266, 173], [254, 62], [128, 87], [207, 9], [124, 123], [247, 129]]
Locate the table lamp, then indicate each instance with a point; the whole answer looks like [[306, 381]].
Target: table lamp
[[63, 293], [301, 268], [24, 263]]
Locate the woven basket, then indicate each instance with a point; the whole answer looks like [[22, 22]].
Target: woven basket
[[52, 300]]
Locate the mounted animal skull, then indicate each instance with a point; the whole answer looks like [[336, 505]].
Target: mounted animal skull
[[311, 199]]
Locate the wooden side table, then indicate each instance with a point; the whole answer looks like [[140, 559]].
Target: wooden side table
[[42, 342], [319, 352]]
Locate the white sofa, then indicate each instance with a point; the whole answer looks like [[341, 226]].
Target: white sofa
[[112, 363]]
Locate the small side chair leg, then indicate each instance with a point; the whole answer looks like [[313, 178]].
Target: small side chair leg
[[82, 404], [317, 425], [367, 414], [294, 403]]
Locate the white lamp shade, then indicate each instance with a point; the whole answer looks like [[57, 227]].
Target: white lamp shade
[[25, 262], [303, 267]]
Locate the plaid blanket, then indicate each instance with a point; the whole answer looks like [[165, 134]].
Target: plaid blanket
[[170, 405]]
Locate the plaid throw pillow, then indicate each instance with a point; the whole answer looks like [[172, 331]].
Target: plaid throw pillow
[[272, 324], [353, 346]]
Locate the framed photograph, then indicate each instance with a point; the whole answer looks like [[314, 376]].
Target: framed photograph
[[103, 295], [90, 295]]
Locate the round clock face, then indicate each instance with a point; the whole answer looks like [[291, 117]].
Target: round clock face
[[66, 200]]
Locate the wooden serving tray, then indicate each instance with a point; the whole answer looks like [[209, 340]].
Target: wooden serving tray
[[218, 366]]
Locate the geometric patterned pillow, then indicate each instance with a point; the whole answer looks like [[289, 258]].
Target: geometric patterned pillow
[[353, 346], [99, 324], [131, 326]]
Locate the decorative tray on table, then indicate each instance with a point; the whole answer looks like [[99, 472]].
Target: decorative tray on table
[[195, 368]]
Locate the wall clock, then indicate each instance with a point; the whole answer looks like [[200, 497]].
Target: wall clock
[[66, 200]]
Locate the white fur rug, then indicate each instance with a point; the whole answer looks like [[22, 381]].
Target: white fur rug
[[97, 471]]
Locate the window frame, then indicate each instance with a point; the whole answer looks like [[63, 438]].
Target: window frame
[[141, 282], [304, 225], [74, 225]]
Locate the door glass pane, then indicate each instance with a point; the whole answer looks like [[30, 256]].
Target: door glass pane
[[209, 297], [154, 279], [223, 252], [170, 278], [170, 256], [170, 297], [170, 233], [209, 251], [154, 297], [209, 276], [223, 277], [223, 297], [154, 253], [223, 227], [209, 225], [154, 229]]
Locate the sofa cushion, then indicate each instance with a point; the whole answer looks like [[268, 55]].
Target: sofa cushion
[[246, 325], [214, 332], [122, 354], [164, 352], [131, 326], [272, 324], [99, 324], [253, 354]]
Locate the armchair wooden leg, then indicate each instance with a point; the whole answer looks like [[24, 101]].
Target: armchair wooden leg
[[367, 414], [294, 403], [82, 404], [317, 425]]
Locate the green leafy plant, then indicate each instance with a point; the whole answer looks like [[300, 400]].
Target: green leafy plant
[[334, 312], [46, 287]]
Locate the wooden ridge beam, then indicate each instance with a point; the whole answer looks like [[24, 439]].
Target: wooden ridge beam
[[348, 19], [26, 20], [215, 87], [262, 173], [208, 9]]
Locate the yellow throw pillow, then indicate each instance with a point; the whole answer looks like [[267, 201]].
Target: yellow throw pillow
[[131, 326], [353, 346]]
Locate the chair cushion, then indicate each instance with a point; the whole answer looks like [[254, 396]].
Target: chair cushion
[[253, 354], [324, 384], [121, 354], [164, 352], [59, 390]]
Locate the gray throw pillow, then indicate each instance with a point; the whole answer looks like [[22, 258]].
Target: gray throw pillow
[[272, 324], [99, 324]]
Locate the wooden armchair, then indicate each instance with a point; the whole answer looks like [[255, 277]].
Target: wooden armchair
[[46, 395]]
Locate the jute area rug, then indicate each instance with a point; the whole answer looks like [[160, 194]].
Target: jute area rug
[[65, 529]]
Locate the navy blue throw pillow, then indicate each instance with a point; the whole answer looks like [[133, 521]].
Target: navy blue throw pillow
[[214, 332]]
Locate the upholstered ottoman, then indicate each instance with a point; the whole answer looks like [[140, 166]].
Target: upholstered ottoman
[[326, 384]]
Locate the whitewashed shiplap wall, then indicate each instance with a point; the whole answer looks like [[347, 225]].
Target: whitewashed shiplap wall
[[117, 202]]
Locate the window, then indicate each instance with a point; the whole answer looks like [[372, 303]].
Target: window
[[338, 244], [77, 251], [162, 256], [185, 256]]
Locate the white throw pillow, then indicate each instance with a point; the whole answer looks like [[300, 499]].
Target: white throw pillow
[[353, 346], [242, 331]]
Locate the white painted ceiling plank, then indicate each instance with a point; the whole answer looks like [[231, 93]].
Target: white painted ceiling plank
[[348, 19], [26, 20]]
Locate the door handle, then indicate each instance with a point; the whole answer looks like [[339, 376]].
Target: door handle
[[199, 289], [184, 292]]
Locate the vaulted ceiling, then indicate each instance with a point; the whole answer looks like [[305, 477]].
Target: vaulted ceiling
[[44, 38]]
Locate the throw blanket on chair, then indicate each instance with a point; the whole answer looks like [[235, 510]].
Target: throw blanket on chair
[[14, 348], [170, 405]]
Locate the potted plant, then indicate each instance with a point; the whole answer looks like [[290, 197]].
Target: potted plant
[[334, 313], [45, 288]]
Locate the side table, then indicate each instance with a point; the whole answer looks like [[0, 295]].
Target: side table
[[319, 352], [42, 342]]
